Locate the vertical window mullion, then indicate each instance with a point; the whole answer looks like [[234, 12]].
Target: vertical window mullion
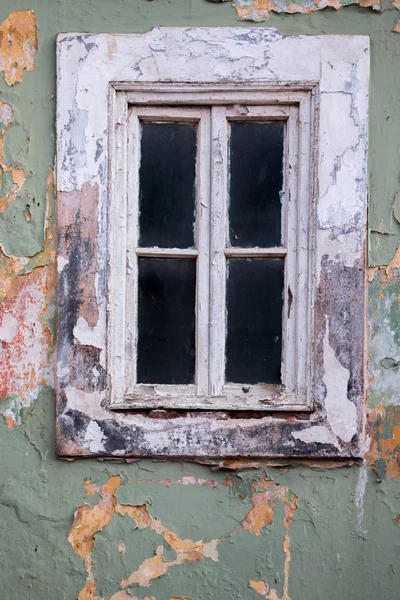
[[219, 175], [117, 217], [291, 299], [132, 217], [203, 246]]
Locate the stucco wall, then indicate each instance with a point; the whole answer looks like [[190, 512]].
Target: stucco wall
[[168, 530]]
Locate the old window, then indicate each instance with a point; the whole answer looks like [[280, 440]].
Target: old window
[[212, 202], [209, 295]]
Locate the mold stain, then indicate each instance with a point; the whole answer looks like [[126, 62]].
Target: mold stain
[[18, 45], [259, 10]]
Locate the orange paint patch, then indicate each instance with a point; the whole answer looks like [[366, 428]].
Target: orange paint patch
[[260, 587], [262, 513], [18, 45]]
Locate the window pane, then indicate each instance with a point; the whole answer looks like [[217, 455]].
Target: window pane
[[254, 301], [167, 185], [166, 320], [256, 182]]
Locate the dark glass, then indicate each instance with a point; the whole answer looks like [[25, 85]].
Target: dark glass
[[256, 182], [254, 302], [166, 320], [167, 185]]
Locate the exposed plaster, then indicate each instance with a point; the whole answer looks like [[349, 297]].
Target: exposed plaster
[[18, 45]]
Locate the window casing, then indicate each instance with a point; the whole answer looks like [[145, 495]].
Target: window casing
[[317, 86], [213, 111]]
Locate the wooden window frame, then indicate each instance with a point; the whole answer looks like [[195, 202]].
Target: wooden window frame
[[98, 76], [212, 107]]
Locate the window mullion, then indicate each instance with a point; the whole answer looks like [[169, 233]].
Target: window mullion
[[132, 216], [219, 175], [203, 247]]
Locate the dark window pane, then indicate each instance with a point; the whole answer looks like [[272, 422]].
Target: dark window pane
[[167, 185], [256, 182], [166, 320], [254, 320]]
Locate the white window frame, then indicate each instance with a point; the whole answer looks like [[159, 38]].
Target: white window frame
[[100, 74], [212, 108]]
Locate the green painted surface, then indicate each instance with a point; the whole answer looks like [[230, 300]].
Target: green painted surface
[[344, 541]]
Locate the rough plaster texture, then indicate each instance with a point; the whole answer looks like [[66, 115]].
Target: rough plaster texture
[[339, 534]]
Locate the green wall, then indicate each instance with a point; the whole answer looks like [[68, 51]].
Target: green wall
[[317, 531]]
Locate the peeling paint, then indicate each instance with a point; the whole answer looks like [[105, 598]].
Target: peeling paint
[[27, 292], [18, 45], [264, 498], [384, 441], [88, 521], [342, 413], [11, 178], [259, 10]]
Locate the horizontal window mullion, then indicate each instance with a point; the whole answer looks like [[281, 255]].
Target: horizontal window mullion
[[156, 252], [256, 252]]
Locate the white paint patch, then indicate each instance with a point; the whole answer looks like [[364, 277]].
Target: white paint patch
[[9, 327], [341, 412], [316, 435], [61, 262], [88, 336], [94, 437], [88, 403], [210, 550], [341, 248]]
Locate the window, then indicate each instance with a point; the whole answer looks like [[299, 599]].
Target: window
[[212, 206], [211, 303]]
